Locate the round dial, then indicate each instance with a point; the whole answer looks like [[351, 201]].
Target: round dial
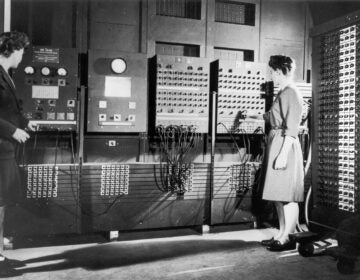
[[118, 65], [62, 72], [29, 70], [45, 71]]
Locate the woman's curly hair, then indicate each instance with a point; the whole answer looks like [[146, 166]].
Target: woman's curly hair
[[11, 41], [284, 63]]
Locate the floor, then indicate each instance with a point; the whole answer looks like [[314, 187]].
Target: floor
[[224, 255]]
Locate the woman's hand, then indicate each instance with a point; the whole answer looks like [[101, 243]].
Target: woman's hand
[[20, 135], [280, 161], [254, 116], [31, 126]]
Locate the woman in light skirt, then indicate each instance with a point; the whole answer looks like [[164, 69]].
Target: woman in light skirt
[[282, 173]]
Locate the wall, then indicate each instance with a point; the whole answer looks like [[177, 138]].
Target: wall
[[284, 31], [2, 15]]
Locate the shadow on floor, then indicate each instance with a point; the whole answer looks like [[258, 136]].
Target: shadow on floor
[[118, 254]]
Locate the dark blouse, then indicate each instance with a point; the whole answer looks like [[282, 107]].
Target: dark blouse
[[10, 116]]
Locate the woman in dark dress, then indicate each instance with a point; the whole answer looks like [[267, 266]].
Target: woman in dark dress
[[12, 129]]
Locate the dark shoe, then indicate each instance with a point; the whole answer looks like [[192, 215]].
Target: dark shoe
[[14, 263], [267, 242], [278, 247], [8, 271]]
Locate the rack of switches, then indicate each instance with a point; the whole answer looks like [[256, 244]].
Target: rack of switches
[[336, 121], [240, 93], [182, 92]]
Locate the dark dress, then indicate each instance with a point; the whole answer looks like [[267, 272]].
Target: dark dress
[[285, 185], [10, 119]]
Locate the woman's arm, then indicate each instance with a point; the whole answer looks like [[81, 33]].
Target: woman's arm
[[281, 159], [255, 116], [291, 106]]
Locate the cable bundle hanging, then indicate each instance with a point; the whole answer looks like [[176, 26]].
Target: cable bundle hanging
[[175, 144], [242, 175]]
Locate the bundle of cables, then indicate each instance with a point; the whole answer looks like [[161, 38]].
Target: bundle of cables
[[176, 142], [244, 171]]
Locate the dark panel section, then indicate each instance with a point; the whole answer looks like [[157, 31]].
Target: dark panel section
[[235, 12], [233, 193], [163, 48], [48, 23], [323, 11], [179, 8], [1, 13], [112, 36], [49, 148], [115, 25], [111, 149], [177, 30], [47, 216], [146, 205], [124, 12]]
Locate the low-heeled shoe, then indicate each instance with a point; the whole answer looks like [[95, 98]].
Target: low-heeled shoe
[[14, 263], [278, 247], [267, 242], [8, 271]]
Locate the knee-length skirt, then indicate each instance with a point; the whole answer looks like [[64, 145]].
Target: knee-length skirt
[[287, 184], [10, 182]]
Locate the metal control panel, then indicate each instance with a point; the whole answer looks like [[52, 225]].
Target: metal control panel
[[180, 92], [239, 88], [117, 95], [47, 82]]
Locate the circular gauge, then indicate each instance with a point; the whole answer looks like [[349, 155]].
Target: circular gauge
[[62, 72], [45, 71], [29, 70], [118, 65]]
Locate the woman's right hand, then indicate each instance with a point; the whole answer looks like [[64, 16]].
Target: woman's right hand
[[254, 116], [20, 135]]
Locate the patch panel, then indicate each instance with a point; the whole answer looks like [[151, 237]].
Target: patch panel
[[42, 181], [114, 180]]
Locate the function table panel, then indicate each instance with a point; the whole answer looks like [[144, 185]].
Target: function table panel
[[47, 82]]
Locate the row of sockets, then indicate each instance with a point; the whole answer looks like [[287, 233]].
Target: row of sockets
[[51, 116], [116, 118]]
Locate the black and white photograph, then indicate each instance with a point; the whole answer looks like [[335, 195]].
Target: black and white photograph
[[180, 139]]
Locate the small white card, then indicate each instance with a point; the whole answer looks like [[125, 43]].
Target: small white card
[[132, 105]]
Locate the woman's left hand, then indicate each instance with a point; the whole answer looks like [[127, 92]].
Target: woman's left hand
[[32, 126], [280, 161]]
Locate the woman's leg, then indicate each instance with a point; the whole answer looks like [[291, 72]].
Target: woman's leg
[[280, 212], [291, 214], [2, 215]]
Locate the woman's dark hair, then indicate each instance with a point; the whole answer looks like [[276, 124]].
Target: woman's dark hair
[[11, 41], [284, 63]]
